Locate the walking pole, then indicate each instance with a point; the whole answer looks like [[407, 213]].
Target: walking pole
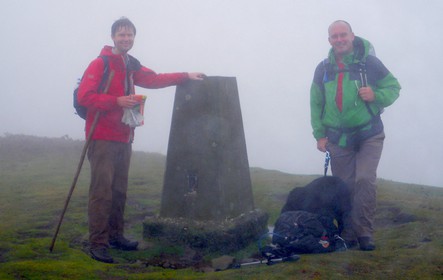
[[269, 261], [80, 164], [327, 159]]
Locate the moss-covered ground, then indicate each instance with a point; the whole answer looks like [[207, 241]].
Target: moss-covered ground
[[36, 174]]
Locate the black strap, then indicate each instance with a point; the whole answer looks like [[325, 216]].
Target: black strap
[[132, 65], [330, 72], [105, 75]]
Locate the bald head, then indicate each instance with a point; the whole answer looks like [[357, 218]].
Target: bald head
[[341, 38], [339, 22]]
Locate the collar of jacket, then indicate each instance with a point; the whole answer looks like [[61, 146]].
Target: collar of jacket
[[362, 48]]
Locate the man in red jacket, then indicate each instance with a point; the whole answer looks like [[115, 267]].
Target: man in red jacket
[[110, 150]]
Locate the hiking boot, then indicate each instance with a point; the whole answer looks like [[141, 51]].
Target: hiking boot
[[366, 244], [101, 255], [123, 244]]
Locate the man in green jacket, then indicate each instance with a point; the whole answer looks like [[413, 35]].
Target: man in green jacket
[[349, 92]]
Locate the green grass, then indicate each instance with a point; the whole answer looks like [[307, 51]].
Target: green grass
[[36, 174]]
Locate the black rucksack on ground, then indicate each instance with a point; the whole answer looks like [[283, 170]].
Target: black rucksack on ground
[[302, 232], [81, 110]]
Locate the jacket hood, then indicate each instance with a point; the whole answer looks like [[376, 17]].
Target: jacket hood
[[107, 51], [362, 48]]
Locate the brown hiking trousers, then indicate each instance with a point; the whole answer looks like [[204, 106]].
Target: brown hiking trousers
[[107, 192], [359, 170]]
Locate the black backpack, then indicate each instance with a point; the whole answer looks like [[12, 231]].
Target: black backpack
[[81, 110], [302, 232]]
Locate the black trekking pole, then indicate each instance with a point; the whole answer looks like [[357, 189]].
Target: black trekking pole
[[327, 159], [269, 261], [80, 164]]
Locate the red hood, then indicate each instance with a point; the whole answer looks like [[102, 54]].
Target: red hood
[[107, 51]]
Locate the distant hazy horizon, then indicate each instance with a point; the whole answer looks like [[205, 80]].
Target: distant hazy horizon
[[271, 47]]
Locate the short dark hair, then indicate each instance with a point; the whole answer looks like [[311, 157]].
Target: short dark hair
[[122, 22]]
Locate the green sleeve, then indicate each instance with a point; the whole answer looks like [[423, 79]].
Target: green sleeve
[[387, 91]]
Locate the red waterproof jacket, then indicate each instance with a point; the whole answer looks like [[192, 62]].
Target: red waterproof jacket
[[109, 126]]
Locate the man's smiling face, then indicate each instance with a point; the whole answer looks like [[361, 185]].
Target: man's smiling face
[[341, 38], [123, 39]]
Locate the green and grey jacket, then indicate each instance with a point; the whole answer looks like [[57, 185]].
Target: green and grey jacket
[[358, 120]]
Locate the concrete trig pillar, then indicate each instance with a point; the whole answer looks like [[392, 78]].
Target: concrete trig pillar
[[207, 171], [207, 200]]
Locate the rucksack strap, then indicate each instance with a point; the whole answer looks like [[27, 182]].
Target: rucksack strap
[[329, 73], [81, 110], [105, 76]]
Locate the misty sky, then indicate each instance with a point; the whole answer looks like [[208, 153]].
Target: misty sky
[[271, 46]]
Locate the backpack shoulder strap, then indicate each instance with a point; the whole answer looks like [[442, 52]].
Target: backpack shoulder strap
[[326, 67], [106, 71], [133, 64], [359, 67], [364, 82]]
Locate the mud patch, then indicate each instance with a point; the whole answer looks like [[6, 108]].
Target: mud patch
[[388, 216]]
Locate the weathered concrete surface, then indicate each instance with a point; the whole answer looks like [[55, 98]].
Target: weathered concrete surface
[[225, 236], [207, 171], [207, 200]]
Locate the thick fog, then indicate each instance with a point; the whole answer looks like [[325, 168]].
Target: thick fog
[[271, 46]]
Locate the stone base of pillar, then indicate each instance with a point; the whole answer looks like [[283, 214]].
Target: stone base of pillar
[[225, 236]]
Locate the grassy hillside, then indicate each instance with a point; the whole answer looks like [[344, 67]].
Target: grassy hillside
[[36, 173]]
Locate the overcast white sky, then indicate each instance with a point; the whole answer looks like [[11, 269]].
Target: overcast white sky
[[270, 46]]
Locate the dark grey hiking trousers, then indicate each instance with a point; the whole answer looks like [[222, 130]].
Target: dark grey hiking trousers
[[107, 192], [359, 170]]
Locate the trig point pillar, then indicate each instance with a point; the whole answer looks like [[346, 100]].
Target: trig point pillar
[[207, 170], [207, 179]]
